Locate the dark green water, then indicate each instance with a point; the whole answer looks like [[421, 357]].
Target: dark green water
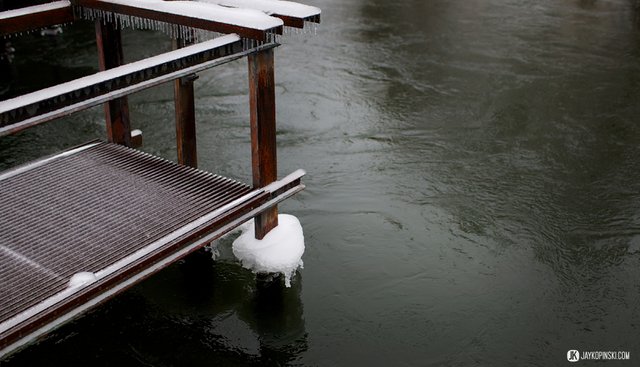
[[473, 192]]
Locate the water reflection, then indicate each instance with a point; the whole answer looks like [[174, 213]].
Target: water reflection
[[195, 313], [6, 73], [510, 129], [520, 128], [57, 59]]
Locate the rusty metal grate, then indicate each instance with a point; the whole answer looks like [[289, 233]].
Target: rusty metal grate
[[88, 209]]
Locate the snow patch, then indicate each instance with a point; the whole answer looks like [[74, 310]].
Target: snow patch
[[280, 251], [249, 18], [82, 278], [281, 7]]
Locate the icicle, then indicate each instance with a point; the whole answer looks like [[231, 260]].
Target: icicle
[[311, 28]]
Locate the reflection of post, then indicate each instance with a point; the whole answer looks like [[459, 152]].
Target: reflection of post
[[185, 115], [279, 321], [263, 131], [110, 55]]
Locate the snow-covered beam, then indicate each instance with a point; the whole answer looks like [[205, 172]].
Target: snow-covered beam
[[35, 17], [211, 17], [293, 14], [47, 104]]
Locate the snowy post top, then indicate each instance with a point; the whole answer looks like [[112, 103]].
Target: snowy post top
[[280, 251]]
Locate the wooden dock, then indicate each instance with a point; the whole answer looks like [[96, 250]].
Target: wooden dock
[[81, 226]]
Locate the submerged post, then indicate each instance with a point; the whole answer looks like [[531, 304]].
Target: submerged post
[[263, 131], [110, 55], [185, 114]]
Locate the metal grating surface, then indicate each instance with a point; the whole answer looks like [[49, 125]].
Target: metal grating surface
[[89, 209]]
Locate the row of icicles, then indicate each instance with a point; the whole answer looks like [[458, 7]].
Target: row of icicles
[[172, 30]]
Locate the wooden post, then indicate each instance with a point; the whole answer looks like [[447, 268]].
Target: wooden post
[[263, 131], [110, 55], [185, 115]]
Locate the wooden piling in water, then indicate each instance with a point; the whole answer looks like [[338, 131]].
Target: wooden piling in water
[[263, 131]]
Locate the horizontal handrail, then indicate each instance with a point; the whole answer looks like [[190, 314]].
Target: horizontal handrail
[[210, 17], [277, 187], [35, 108], [35, 17]]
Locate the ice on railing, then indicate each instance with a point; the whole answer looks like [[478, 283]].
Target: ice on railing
[[133, 22], [280, 251], [248, 18]]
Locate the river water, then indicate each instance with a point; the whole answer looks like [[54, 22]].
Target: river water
[[473, 191]]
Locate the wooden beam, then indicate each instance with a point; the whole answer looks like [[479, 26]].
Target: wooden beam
[[110, 56], [35, 108], [226, 24], [35, 17], [185, 114], [293, 14], [263, 131]]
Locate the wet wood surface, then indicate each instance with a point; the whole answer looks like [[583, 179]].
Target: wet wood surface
[[263, 131]]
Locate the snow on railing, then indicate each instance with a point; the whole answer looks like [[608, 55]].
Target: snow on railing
[[180, 18]]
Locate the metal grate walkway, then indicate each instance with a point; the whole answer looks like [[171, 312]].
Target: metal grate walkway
[[105, 209]]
